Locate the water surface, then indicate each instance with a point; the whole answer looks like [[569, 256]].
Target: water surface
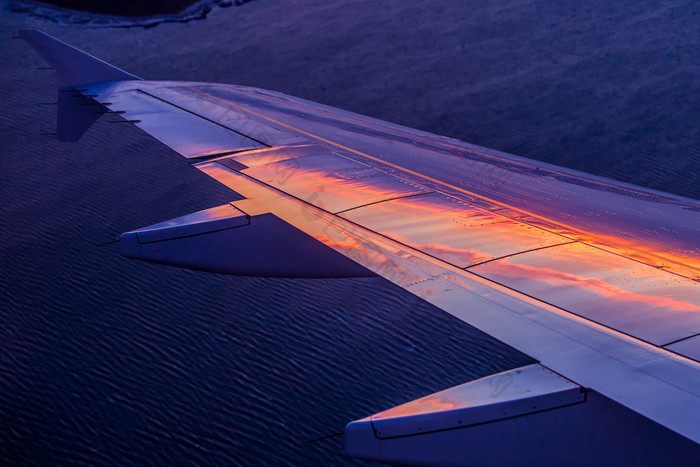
[[105, 360]]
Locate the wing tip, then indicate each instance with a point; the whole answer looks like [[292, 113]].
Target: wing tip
[[73, 66], [74, 69]]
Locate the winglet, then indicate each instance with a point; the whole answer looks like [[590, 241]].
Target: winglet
[[74, 68]]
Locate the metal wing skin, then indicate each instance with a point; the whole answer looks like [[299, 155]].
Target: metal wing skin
[[595, 279]]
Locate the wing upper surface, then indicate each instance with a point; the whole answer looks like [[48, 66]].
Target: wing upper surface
[[652, 381], [656, 228], [594, 279]]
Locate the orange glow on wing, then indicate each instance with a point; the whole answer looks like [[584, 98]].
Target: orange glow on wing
[[598, 286], [331, 182], [425, 405], [577, 267], [440, 251], [458, 233]]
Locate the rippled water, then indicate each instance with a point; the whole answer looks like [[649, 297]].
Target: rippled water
[[104, 360]]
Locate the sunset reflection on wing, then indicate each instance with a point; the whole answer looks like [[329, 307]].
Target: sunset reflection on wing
[[624, 294], [453, 231]]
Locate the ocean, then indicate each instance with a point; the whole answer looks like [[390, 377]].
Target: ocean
[[105, 360]]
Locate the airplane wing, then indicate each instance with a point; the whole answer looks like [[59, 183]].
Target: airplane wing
[[595, 279]]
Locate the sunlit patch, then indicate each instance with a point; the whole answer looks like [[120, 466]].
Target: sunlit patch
[[430, 404], [624, 294], [329, 181], [456, 232]]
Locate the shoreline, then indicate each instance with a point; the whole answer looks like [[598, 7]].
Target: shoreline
[[119, 8], [146, 15]]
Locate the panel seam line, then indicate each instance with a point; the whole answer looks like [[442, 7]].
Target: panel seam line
[[203, 117], [384, 201], [681, 340], [520, 253]]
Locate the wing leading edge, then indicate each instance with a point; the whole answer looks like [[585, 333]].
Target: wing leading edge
[[595, 279]]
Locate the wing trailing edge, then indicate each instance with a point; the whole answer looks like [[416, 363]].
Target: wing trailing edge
[[73, 66]]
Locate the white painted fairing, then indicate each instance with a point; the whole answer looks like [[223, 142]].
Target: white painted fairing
[[526, 416]]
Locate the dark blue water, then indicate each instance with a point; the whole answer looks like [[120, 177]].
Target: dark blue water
[[105, 360]]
